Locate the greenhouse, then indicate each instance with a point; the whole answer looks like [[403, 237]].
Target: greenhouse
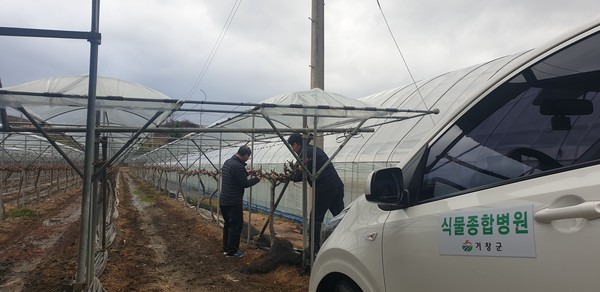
[[45, 132], [45, 138], [356, 155], [82, 131]]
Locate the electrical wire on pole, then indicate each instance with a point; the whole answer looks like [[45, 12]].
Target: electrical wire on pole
[[215, 48], [402, 56], [213, 52]]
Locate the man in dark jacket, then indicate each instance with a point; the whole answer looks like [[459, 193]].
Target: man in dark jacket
[[329, 188], [235, 180]]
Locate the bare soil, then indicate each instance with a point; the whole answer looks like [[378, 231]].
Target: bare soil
[[161, 245]]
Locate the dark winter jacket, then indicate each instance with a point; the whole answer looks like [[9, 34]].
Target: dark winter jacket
[[235, 180], [328, 179]]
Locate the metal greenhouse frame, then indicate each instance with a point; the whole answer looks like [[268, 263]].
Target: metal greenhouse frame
[[97, 142]]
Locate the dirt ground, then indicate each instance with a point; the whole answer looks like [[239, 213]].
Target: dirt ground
[[161, 245]]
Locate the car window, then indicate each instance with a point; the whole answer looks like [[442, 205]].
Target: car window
[[546, 118]]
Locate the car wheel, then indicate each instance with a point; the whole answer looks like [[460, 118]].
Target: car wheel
[[346, 285]]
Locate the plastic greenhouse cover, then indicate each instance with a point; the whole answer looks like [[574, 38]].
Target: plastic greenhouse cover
[[331, 109], [449, 92], [286, 111], [23, 147], [63, 100], [388, 144], [326, 104]]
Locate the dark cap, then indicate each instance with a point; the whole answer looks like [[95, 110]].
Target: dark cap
[[244, 150], [295, 138]]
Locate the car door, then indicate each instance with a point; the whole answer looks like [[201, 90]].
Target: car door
[[508, 197]]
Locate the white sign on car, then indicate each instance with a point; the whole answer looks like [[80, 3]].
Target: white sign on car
[[496, 232]]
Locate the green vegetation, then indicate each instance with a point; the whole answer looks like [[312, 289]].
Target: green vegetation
[[147, 199], [20, 213], [204, 203], [147, 188]]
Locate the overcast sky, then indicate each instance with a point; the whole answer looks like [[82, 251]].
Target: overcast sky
[[165, 44]]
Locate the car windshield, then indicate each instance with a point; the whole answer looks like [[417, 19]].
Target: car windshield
[[545, 118]]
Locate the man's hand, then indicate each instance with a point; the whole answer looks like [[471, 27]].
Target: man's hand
[[255, 173]]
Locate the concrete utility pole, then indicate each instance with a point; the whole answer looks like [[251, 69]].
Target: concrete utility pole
[[317, 80], [317, 62], [317, 56]]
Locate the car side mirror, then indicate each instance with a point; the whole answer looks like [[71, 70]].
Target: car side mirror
[[385, 186]]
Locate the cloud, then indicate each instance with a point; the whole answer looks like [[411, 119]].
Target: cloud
[[266, 48]]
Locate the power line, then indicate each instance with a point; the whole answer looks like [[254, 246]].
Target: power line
[[211, 56], [401, 55], [215, 48]]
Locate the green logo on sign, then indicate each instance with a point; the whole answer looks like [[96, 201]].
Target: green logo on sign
[[467, 246]]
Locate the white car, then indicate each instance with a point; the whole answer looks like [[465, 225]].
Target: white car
[[503, 196]]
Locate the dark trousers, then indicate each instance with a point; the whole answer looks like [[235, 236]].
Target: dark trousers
[[330, 199], [233, 218]]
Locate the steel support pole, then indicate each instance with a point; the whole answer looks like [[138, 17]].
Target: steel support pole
[[129, 142], [305, 240], [88, 166], [49, 139], [204, 154], [1, 183], [200, 183], [250, 192], [104, 189], [93, 213], [313, 175], [220, 174]]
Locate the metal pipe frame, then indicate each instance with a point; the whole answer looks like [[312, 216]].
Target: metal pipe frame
[[182, 130], [52, 142], [84, 273], [83, 269], [126, 146], [254, 105]]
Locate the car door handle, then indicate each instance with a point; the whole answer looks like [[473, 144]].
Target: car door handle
[[587, 210]]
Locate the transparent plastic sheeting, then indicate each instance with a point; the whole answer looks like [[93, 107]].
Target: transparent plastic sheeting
[[62, 101], [287, 111], [387, 146], [29, 147], [66, 110], [342, 110]]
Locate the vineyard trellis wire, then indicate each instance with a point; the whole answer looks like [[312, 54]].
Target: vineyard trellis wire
[[21, 183]]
